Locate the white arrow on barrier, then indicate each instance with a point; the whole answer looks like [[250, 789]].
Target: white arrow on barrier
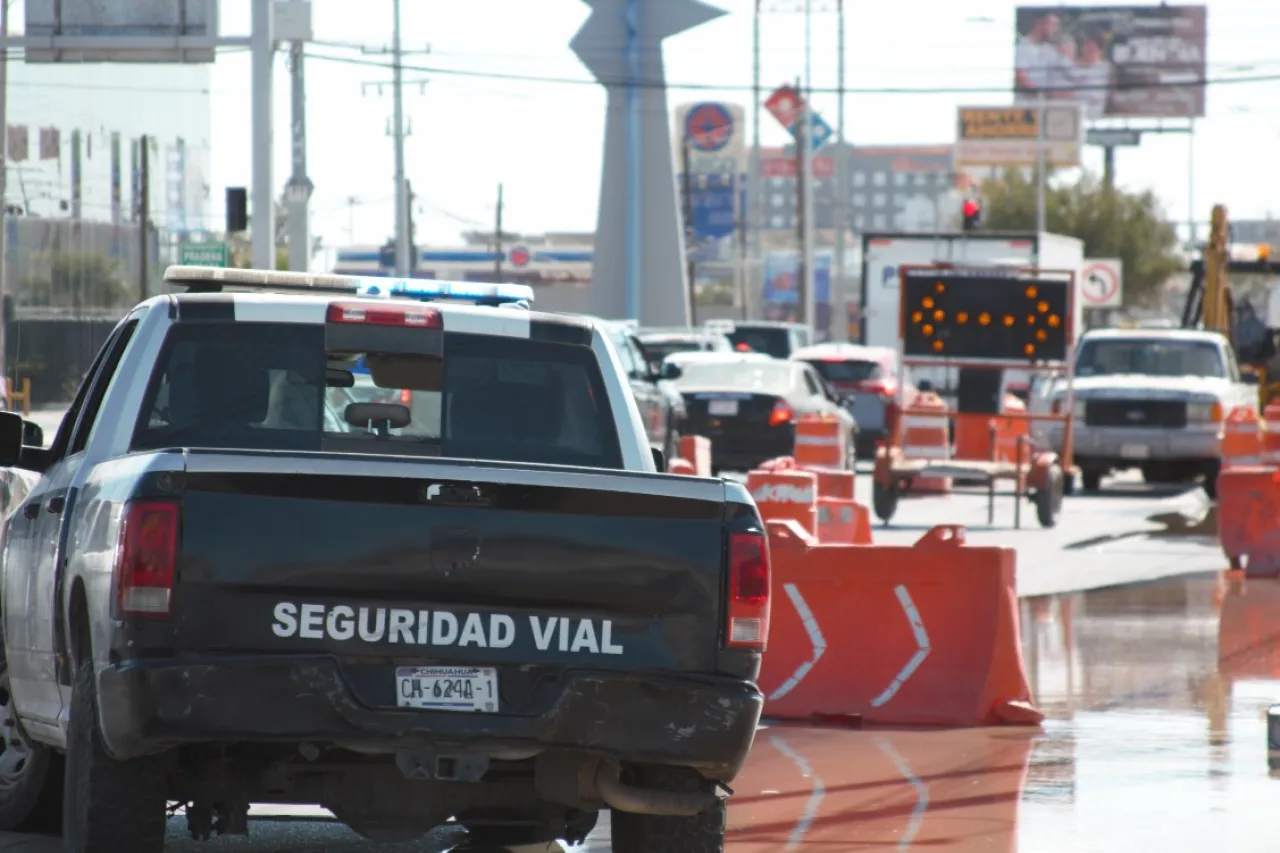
[[922, 647], [816, 639]]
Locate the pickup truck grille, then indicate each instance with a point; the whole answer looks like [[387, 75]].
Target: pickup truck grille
[[1167, 414]]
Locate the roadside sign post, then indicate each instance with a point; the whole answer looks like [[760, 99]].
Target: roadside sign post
[[211, 254]]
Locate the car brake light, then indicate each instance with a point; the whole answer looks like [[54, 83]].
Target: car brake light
[[877, 386], [749, 582], [384, 315], [145, 560], [406, 396], [781, 414]]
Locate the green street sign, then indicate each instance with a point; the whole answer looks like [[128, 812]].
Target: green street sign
[[202, 254]]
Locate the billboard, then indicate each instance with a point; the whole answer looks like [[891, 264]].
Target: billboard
[[712, 136], [1008, 136], [781, 292], [114, 22], [1118, 61], [711, 206]]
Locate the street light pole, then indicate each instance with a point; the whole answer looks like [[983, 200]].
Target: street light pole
[[404, 264], [810, 316]]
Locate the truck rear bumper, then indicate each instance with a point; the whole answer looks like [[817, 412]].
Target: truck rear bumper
[[703, 722]]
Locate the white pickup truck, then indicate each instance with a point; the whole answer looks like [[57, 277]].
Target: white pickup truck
[[1152, 399]]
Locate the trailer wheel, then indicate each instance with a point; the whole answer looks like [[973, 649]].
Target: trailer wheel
[[884, 500], [1049, 499]]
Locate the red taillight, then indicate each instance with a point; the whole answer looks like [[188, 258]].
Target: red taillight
[[877, 386], [781, 414], [145, 558], [406, 396], [419, 316], [749, 581]]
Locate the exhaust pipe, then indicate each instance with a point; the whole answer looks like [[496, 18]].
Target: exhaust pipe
[[627, 798]]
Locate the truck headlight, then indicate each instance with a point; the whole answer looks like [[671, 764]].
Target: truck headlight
[[1204, 412]]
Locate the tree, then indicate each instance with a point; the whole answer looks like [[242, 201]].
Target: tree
[[1112, 223], [78, 280]]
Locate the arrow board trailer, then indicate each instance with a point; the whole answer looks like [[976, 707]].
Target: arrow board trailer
[[983, 318], [885, 253]]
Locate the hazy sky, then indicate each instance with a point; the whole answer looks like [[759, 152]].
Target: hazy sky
[[543, 139]]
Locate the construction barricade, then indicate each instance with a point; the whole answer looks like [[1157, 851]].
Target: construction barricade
[[819, 788], [1249, 518], [926, 434], [1241, 438], [1271, 434], [696, 450], [820, 442], [918, 635], [974, 432]]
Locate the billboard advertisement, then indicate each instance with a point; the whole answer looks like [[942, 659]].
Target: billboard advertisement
[[1009, 136], [782, 296], [1118, 61]]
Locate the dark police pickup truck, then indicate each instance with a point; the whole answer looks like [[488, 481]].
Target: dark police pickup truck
[[481, 602]]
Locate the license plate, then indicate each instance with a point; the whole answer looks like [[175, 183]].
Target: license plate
[[722, 407], [447, 688], [1134, 451]]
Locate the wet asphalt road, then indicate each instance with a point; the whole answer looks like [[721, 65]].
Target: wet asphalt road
[[1155, 683]]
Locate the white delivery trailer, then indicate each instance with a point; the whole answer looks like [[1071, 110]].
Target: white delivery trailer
[[884, 253]]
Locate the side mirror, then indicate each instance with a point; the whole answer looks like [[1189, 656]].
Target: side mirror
[[32, 434], [659, 459], [12, 433], [671, 371]]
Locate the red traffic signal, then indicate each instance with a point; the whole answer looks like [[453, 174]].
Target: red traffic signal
[[972, 213]]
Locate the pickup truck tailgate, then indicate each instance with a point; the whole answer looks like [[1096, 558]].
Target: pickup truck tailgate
[[447, 562]]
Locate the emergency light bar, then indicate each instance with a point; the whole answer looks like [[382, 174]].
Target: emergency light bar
[[222, 279]]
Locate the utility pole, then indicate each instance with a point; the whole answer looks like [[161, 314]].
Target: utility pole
[[298, 190], [839, 297], [497, 239], [1041, 177], [803, 277], [352, 201], [262, 99], [690, 233], [4, 203], [405, 264], [144, 217], [811, 305], [754, 196]]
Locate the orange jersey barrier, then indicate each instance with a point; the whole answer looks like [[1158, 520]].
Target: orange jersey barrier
[[1241, 438], [784, 494], [1249, 517], [697, 450], [814, 788], [842, 521], [919, 635]]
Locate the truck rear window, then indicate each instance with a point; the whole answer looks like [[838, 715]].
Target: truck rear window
[[269, 386]]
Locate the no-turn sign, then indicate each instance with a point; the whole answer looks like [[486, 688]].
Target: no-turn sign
[[1100, 283]]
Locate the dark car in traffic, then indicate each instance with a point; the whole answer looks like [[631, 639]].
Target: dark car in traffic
[[748, 407]]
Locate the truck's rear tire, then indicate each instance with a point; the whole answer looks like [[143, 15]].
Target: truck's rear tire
[[30, 773], [636, 833], [109, 806]]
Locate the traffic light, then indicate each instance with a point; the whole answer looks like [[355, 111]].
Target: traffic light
[[237, 210], [972, 213]]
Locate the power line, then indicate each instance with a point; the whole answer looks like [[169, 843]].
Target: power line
[[717, 87]]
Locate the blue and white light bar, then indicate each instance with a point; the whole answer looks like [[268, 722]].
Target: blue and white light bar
[[216, 279], [430, 290]]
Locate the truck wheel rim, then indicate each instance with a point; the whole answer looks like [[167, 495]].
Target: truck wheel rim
[[16, 752]]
